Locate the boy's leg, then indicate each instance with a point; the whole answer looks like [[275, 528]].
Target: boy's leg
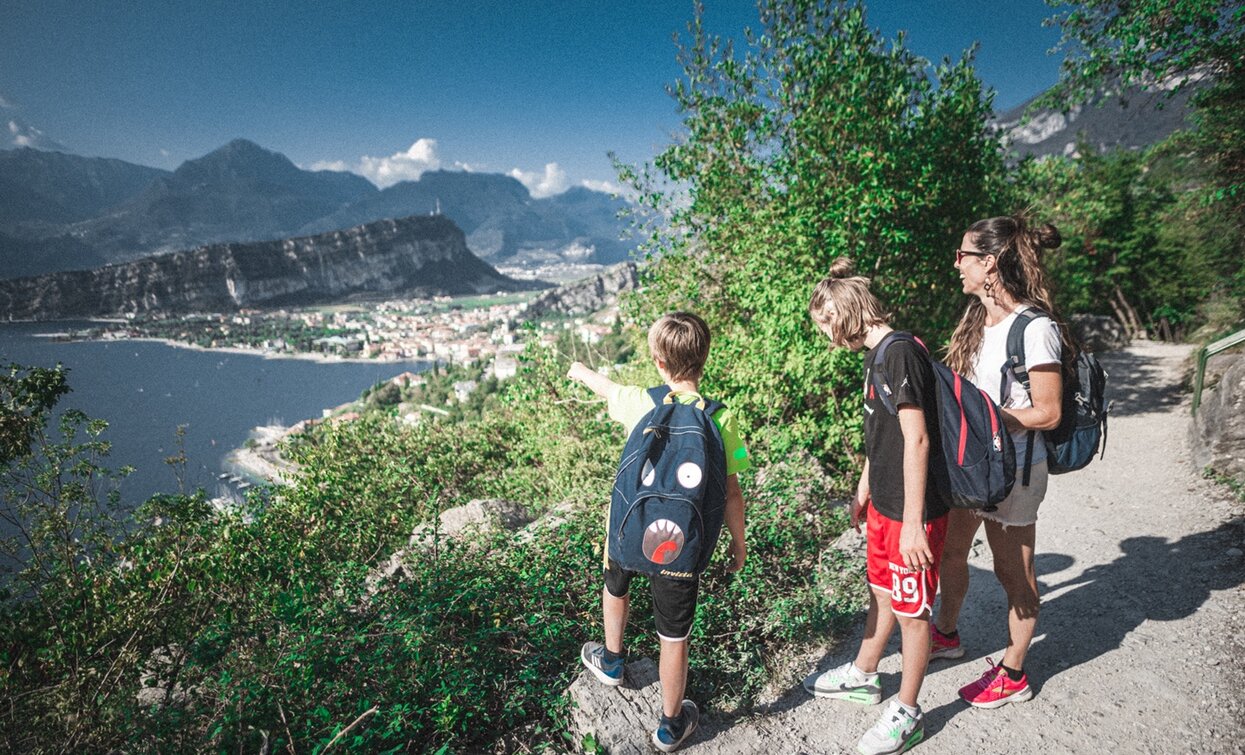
[[915, 633], [1014, 565], [881, 538], [606, 661], [674, 609], [615, 610], [879, 624], [913, 603], [962, 526], [672, 670]]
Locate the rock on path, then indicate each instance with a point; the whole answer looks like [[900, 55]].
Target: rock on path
[[1141, 642]]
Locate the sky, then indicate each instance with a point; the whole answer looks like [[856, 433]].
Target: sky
[[541, 90]]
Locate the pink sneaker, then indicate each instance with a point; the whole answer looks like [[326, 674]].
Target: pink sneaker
[[942, 646], [995, 689]]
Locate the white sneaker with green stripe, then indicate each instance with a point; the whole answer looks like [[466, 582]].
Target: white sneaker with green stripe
[[896, 731], [846, 682]]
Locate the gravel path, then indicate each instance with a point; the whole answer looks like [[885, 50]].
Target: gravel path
[[1141, 641]]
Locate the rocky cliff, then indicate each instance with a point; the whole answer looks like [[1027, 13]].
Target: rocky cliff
[[411, 256], [1217, 432], [586, 296]]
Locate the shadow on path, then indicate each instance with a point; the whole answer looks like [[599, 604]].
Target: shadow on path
[[1139, 383], [1092, 612]]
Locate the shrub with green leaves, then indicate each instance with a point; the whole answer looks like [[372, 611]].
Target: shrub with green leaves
[[815, 138]]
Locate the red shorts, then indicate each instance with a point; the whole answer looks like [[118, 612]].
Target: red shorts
[[912, 592]]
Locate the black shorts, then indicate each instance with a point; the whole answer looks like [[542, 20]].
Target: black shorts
[[674, 600]]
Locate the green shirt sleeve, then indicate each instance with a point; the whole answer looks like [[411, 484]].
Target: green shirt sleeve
[[628, 404], [737, 459]]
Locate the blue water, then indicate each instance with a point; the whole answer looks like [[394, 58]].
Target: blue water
[[146, 389]]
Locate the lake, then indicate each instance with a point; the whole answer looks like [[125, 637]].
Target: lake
[[145, 389]]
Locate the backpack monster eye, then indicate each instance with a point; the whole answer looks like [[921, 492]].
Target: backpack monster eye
[[649, 473], [689, 474]]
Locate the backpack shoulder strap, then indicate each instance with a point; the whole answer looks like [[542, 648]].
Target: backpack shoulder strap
[[877, 373], [713, 407], [1016, 349], [1016, 363], [658, 394]]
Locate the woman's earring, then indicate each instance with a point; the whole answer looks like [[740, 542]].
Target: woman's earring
[[989, 287]]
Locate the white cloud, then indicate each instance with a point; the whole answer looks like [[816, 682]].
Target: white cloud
[[22, 134], [607, 187], [401, 166], [419, 158], [552, 181], [6, 104]]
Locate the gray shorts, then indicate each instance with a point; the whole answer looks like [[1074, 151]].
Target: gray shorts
[[1020, 508]]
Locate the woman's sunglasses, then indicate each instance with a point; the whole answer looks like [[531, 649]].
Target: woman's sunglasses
[[960, 254]]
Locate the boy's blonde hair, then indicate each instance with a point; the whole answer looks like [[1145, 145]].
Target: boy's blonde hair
[[681, 341], [855, 307]]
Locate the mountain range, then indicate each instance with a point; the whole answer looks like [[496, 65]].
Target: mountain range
[[1132, 119], [60, 211], [63, 212]]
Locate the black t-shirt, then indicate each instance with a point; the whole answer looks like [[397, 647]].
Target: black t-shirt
[[911, 380]]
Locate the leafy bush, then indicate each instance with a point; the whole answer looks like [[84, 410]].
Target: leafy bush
[[818, 139], [259, 626]]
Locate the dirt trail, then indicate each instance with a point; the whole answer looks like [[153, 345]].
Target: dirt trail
[[1141, 641]]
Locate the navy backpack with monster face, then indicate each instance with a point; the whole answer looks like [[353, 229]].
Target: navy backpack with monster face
[[669, 496]]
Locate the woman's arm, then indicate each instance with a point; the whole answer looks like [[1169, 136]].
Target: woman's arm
[[1046, 389]]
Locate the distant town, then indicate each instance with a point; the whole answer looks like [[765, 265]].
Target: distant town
[[481, 330]]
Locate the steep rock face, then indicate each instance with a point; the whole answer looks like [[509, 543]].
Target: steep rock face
[[586, 296], [416, 255], [1217, 433]]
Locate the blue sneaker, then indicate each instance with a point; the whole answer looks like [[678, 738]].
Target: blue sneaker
[[668, 736], [593, 656]]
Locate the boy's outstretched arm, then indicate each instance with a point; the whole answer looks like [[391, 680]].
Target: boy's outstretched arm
[[595, 381], [734, 516]]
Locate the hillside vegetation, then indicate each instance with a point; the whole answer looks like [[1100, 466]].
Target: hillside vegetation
[[184, 628]]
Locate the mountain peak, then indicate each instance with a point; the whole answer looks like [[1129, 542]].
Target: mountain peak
[[243, 156]]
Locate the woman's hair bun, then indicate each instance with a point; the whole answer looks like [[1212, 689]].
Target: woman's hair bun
[[1047, 236], [841, 268]]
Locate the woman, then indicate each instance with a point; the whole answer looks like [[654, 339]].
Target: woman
[[1000, 266]]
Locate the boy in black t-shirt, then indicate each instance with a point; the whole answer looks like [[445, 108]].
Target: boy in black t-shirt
[[906, 520]]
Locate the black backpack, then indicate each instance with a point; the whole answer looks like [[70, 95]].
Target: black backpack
[[981, 460], [669, 495], [1082, 430]]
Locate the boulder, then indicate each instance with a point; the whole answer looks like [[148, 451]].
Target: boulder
[[483, 515], [1217, 433], [157, 680], [620, 719], [486, 514], [1098, 332]]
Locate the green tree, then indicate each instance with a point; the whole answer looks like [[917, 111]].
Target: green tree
[[817, 138], [1175, 45]]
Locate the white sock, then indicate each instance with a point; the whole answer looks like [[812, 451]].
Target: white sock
[[914, 712], [861, 675]]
